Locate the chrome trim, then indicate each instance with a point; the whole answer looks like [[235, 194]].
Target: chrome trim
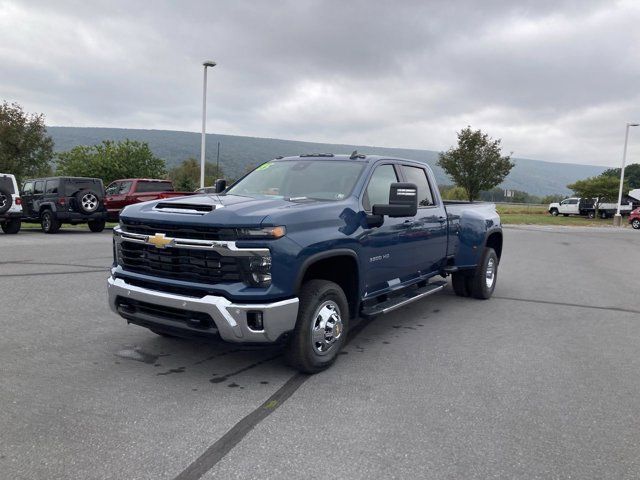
[[230, 318], [223, 247], [413, 299]]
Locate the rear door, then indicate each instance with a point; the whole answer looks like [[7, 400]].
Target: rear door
[[426, 235]]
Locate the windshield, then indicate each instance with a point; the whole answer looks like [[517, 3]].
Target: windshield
[[300, 179]]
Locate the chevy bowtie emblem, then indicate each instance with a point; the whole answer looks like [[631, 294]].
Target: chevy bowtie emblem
[[159, 240]]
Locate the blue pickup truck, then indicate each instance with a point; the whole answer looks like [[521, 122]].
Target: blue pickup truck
[[296, 249]]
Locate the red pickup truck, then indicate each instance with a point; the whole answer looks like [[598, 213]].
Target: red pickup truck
[[128, 191]]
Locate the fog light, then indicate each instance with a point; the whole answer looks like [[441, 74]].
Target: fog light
[[254, 321]]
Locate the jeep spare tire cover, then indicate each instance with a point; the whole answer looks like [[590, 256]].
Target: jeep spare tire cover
[[88, 201], [6, 200]]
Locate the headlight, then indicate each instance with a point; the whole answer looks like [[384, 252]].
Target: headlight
[[257, 233]]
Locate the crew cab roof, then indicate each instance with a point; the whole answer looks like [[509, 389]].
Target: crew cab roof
[[339, 157]]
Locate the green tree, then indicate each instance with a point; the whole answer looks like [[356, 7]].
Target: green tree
[[25, 147], [631, 174], [603, 188], [111, 160], [186, 176], [451, 192], [477, 163]]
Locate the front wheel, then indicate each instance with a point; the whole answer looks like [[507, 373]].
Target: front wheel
[[635, 223], [96, 225], [321, 328], [554, 212], [11, 226]]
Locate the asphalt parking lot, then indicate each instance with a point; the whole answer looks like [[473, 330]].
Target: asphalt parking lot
[[541, 381]]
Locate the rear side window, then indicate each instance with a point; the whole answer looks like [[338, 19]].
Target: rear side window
[[418, 176], [379, 185], [27, 189], [39, 187], [52, 186], [6, 184], [154, 187]]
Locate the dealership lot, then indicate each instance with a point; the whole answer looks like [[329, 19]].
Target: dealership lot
[[539, 382]]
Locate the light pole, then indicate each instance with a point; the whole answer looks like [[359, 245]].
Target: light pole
[[617, 218], [208, 63]]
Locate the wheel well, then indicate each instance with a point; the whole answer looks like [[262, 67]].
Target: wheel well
[[495, 241], [341, 269]]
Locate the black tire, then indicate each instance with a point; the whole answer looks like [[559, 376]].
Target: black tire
[[635, 223], [88, 201], [6, 200], [554, 212], [49, 222], [305, 354], [604, 215], [11, 226], [591, 215], [461, 282], [96, 225], [480, 287]]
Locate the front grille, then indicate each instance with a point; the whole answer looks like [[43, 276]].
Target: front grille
[[179, 263], [196, 233]]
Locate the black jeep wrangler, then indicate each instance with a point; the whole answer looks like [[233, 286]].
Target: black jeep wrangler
[[56, 200]]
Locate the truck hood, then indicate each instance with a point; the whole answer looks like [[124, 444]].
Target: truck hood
[[226, 210]]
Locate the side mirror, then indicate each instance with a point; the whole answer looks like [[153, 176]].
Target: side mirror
[[403, 201], [220, 185]]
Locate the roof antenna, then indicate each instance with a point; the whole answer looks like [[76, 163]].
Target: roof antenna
[[354, 155]]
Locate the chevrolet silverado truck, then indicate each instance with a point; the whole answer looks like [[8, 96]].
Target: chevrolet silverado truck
[[128, 191], [296, 250]]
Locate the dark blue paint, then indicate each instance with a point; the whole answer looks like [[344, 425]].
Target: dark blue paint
[[400, 252]]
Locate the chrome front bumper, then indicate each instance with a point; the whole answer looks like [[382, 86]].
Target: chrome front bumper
[[230, 318]]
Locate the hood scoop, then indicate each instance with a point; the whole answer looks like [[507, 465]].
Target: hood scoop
[[185, 208]]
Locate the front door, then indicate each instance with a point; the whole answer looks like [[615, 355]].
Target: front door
[[27, 200], [386, 261]]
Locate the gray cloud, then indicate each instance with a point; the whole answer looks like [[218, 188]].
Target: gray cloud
[[556, 80]]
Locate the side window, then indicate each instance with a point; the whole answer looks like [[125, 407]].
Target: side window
[[573, 202], [113, 189], [39, 187], [418, 176], [52, 186], [124, 188], [379, 184], [27, 188]]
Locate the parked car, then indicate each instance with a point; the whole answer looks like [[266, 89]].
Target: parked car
[[130, 191], [586, 207], [54, 201], [634, 219], [298, 248], [10, 204]]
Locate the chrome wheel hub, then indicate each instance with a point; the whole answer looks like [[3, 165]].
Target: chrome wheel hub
[[326, 327], [89, 202], [490, 274]]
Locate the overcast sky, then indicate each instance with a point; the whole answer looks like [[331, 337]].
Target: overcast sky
[[556, 80]]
